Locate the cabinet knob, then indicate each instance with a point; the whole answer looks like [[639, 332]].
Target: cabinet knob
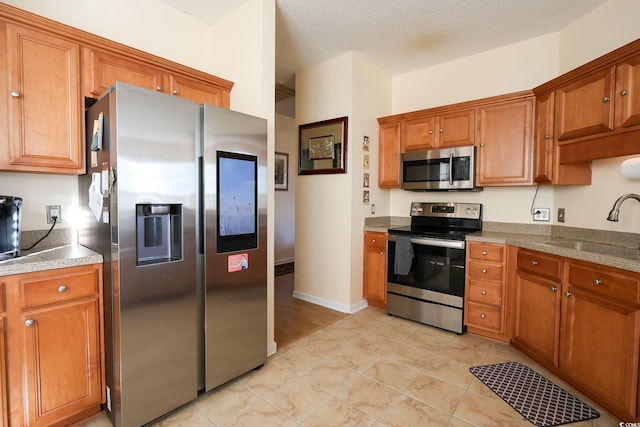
[[15, 94], [482, 316], [28, 322], [381, 253], [441, 130], [553, 288], [482, 145], [62, 288], [605, 99], [159, 88], [597, 282], [396, 153], [547, 137], [624, 92], [373, 240], [484, 271], [430, 131], [568, 293], [534, 262], [483, 292], [484, 252], [175, 91]]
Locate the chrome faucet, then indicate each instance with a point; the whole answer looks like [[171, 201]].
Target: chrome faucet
[[613, 215]]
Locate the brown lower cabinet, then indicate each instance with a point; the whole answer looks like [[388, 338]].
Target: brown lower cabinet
[[54, 346], [581, 321], [374, 280]]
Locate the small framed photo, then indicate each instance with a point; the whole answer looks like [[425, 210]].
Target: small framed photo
[[365, 162], [365, 180], [365, 197], [365, 143], [282, 171]]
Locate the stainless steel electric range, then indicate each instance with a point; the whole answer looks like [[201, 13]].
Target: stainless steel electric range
[[426, 263]]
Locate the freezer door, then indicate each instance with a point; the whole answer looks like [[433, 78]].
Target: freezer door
[[234, 189]]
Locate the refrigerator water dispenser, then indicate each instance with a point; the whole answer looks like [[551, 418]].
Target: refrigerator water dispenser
[[158, 233]]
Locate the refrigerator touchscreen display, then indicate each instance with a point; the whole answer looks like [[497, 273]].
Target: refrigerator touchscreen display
[[237, 201]]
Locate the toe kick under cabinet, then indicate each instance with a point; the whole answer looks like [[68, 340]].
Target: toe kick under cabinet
[[53, 332]]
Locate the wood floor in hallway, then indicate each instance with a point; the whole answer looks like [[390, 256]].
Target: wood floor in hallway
[[294, 318]]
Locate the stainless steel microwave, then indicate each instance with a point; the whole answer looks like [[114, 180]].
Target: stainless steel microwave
[[439, 169]]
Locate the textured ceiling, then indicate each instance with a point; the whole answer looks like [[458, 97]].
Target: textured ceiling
[[397, 35]]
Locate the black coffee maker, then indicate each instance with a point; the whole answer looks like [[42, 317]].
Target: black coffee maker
[[10, 213]]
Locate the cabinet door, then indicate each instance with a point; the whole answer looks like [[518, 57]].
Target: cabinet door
[[419, 134], [389, 155], [537, 318], [585, 107], [100, 70], [375, 269], [199, 92], [456, 129], [628, 93], [600, 349], [505, 144], [44, 103], [543, 144], [62, 361]]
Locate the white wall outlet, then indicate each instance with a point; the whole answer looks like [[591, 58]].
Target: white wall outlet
[[541, 214], [52, 211]]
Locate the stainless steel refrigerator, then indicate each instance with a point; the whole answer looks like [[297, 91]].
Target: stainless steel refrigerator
[[175, 201]]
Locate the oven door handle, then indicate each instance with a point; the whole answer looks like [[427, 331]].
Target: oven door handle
[[427, 241]]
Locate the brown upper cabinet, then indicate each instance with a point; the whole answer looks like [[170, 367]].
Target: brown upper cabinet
[[501, 127], [595, 114], [41, 103], [439, 131], [101, 69], [505, 141], [389, 155], [51, 67]]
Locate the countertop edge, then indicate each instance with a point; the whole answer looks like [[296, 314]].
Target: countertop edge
[[544, 244], [50, 259]]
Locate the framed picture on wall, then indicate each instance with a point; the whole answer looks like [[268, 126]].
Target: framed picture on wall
[[281, 171], [322, 147]]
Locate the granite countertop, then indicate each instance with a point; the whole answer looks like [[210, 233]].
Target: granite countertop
[[611, 248], [611, 255], [48, 259]]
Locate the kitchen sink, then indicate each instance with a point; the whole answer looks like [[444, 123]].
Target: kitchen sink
[[595, 247]]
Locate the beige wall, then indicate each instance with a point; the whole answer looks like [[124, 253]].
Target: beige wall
[[527, 65], [329, 208], [285, 201], [322, 262]]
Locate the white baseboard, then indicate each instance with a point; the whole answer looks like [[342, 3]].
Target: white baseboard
[[272, 347], [283, 261], [343, 308]]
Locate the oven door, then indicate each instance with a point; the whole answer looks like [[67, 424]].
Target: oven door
[[436, 273]]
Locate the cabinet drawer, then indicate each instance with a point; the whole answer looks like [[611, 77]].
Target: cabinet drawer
[[621, 285], [540, 264], [485, 292], [486, 251], [484, 271], [58, 288], [483, 316], [375, 240]]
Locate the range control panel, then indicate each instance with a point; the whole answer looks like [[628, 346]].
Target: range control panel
[[447, 209]]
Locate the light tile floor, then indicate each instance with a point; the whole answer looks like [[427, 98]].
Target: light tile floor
[[368, 369]]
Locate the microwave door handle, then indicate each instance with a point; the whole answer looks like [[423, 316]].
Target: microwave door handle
[[451, 168]]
